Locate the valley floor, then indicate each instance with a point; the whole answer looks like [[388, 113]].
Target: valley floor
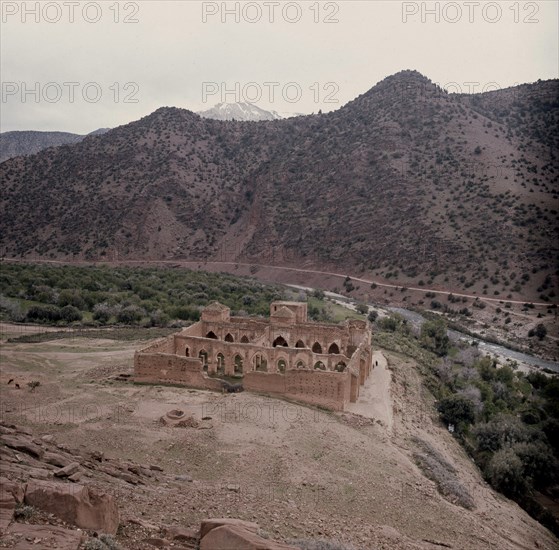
[[297, 471]]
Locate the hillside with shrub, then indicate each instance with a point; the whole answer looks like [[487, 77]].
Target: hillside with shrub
[[455, 191]]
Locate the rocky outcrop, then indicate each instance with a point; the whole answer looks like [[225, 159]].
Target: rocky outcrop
[[79, 505]]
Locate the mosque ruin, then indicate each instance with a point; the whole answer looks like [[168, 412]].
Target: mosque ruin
[[286, 355]]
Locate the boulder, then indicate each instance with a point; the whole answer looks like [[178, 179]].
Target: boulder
[[80, 505], [208, 524], [56, 459], [68, 470], [228, 537]]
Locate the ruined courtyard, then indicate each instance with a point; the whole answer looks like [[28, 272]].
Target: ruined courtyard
[[286, 355]]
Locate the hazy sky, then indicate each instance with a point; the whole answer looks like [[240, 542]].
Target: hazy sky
[[77, 66]]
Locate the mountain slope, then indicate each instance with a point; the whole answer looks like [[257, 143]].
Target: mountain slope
[[15, 144], [404, 179]]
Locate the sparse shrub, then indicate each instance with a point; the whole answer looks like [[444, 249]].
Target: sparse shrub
[[103, 542], [33, 385], [540, 331], [443, 473], [24, 512]]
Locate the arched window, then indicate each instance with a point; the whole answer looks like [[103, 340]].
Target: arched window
[[204, 356], [244, 340], [340, 367], [320, 365], [238, 364], [282, 366], [229, 338], [300, 365], [212, 335], [317, 348], [220, 364], [300, 344], [260, 363], [334, 348], [187, 352], [280, 341]]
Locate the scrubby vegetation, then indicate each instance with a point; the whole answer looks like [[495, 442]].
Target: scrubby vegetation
[[506, 420], [147, 297]]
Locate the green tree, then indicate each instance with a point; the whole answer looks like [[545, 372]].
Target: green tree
[[373, 315], [457, 409], [70, 314], [362, 308], [505, 472], [434, 336]]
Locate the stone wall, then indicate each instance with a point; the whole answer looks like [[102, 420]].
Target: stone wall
[[172, 369]]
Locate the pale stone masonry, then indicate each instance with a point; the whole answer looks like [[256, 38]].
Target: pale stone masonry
[[285, 355]]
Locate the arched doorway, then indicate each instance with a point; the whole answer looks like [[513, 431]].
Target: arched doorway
[[187, 352], [260, 363], [229, 337], [280, 341], [244, 340], [203, 355], [300, 344], [334, 348], [220, 364], [300, 365], [316, 348], [238, 360], [320, 365], [211, 335], [340, 367], [282, 365]]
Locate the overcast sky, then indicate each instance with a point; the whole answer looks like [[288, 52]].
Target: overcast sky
[[298, 56]]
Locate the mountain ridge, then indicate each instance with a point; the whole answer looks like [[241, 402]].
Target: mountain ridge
[[28, 142], [405, 178]]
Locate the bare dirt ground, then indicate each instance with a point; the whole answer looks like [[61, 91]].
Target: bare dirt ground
[[297, 471], [374, 396]]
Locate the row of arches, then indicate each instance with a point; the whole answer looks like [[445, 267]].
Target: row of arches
[[280, 341], [316, 347], [259, 363], [228, 337]]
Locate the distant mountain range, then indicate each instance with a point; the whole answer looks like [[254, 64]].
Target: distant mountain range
[[406, 181], [243, 111], [15, 144]]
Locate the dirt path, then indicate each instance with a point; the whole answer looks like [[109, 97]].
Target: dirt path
[[374, 398]]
